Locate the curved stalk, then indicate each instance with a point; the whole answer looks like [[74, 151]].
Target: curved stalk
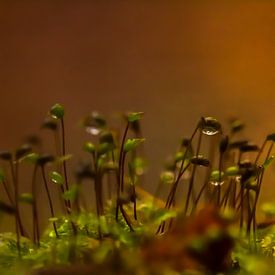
[[49, 198]]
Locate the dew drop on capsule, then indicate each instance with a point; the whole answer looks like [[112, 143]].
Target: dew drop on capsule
[[93, 130], [209, 131], [210, 126], [217, 183], [238, 178]]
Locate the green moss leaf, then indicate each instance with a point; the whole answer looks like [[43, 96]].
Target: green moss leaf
[[232, 171], [56, 178], [31, 158], [89, 147], [134, 116], [167, 177], [215, 175], [132, 143], [72, 193]]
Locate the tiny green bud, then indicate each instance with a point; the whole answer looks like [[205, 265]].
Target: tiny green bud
[[56, 178], [89, 147], [134, 116], [57, 111], [132, 143]]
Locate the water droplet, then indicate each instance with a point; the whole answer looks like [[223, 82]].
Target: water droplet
[[217, 183], [210, 126], [93, 130], [238, 178], [209, 131], [54, 180]]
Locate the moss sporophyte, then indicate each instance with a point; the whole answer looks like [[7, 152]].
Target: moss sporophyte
[[204, 217]]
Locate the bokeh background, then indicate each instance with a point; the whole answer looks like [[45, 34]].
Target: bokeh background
[[174, 60]]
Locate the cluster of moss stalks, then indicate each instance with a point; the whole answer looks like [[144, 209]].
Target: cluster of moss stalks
[[207, 222]]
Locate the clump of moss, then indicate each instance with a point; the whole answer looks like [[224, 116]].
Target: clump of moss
[[209, 228]]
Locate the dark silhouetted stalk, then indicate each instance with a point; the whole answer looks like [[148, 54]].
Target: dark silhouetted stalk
[[135, 202], [260, 151], [125, 216], [119, 173], [182, 169], [14, 172], [242, 204], [64, 162], [191, 182], [220, 179], [49, 198], [17, 215], [35, 228], [7, 191]]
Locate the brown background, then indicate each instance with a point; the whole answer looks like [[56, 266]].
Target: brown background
[[174, 60]]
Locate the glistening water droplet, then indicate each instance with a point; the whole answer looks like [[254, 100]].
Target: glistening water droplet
[[210, 126], [238, 178], [209, 131], [93, 130], [217, 183]]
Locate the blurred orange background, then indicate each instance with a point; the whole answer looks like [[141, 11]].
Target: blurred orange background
[[174, 60]]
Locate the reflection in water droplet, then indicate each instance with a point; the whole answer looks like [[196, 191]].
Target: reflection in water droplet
[[209, 131], [93, 130], [217, 183], [54, 180], [238, 178]]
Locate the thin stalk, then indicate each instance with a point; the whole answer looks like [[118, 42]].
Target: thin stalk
[[97, 190], [260, 151], [64, 154], [125, 216], [253, 211], [220, 179], [8, 192], [259, 184], [121, 152], [49, 198], [14, 174], [211, 158], [122, 171], [119, 173], [233, 194], [35, 228], [227, 194], [73, 241], [191, 183], [63, 202], [181, 171], [249, 213], [239, 157], [135, 202], [174, 189], [242, 205], [198, 197], [17, 223]]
